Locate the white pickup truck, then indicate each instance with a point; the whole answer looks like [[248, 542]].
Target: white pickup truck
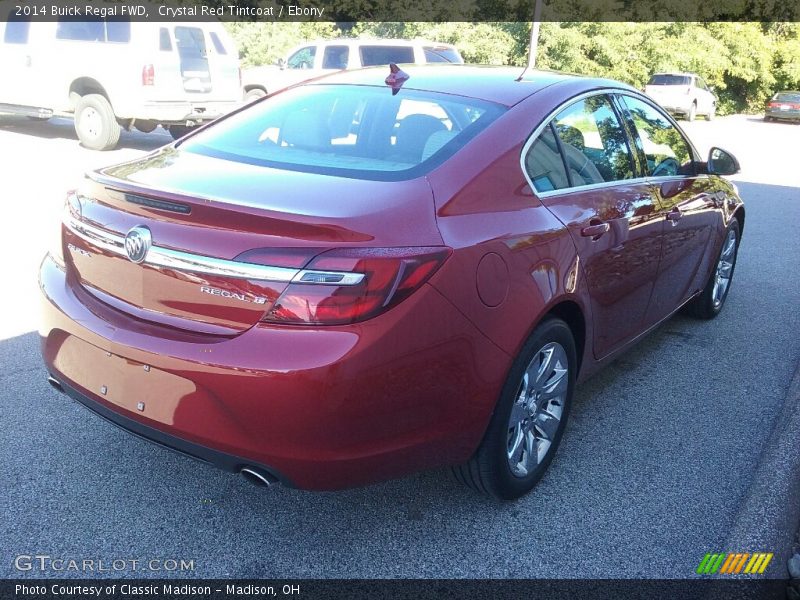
[[315, 59]]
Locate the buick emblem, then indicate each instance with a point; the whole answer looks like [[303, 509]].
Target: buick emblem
[[137, 243]]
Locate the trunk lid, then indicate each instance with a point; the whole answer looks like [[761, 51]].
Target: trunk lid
[[231, 220]]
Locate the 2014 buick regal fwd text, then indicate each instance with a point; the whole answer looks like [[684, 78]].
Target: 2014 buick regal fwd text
[[350, 281]]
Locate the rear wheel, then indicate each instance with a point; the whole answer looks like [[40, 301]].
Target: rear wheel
[[95, 123], [711, 300], [178, 131], [529, 419], [712, 111], [692, 112]]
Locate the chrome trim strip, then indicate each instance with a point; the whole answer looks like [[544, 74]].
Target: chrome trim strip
[[196, 263]]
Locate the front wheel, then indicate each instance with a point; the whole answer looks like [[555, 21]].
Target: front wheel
[[95, 123], [529, 419], [711, 300], [254, 94]]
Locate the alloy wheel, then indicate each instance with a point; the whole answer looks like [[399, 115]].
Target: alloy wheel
[[536, 414], [724, 270]]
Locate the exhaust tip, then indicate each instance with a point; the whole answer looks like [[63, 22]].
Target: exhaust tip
[[258, 476], [55, 384]]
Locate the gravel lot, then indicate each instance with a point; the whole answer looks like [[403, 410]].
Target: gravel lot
[[657, 461]]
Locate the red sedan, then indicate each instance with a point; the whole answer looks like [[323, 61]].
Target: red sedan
[[351, 280]]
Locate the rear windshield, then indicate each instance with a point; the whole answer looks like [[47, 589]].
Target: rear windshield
[[351, 131], [669, 80], [787, 97], [442, 54]]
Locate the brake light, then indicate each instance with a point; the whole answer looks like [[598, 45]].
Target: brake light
[[148, 75], [354, 284], [774, 105]]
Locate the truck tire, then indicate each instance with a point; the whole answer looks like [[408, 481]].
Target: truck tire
[[178, 131], [254, 94], [95, 123]]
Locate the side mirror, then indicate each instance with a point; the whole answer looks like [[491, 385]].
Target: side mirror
[[281, 63], [721, 162]]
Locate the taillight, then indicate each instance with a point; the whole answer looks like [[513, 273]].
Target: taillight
[[148, 75], [774, 105], [240, 77], [349, 285]]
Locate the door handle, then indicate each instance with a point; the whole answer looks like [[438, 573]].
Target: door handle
[[674, 215], [595, 230]]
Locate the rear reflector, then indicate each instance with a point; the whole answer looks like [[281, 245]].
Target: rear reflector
[[349, 285]]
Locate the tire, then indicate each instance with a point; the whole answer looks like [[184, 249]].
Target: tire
[[711, 113], [178, 131], [254, 94], [708, 304], [146, 126], [95, 123], [492, 470], [692, 112]]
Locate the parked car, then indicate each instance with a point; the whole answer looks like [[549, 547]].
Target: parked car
[[683, 93], [113, 75], [784, 106], [314, 59], [350, 281]]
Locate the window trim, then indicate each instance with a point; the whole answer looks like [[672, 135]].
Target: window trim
[[606, 184], [608, 91], [673, 122]]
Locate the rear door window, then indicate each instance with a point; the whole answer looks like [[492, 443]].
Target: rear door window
[[594, 143], [335, 57], [17, 32], [383, 55], [666, 151], [545, 164]]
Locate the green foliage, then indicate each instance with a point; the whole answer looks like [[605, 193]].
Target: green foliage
[[745, 62]]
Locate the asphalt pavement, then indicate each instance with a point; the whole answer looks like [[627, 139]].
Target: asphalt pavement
[[663, 457]]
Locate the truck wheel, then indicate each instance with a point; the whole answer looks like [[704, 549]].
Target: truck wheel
[[711, 112], [95, 123], [254, 94], [692, 112], [178, 131]]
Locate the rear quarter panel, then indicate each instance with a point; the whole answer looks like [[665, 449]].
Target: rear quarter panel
[[513, 260]]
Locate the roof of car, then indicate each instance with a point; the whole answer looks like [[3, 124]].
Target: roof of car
[[681, 73], [501, 85]]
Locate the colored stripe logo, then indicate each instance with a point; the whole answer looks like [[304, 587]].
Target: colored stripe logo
[[733, 563]]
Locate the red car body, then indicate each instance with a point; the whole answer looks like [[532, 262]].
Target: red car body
[[411, 388]]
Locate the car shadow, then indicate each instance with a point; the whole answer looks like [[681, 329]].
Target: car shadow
[[63, 128]]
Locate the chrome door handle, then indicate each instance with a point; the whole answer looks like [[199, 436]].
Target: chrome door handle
[[595, 230], [674, 215]]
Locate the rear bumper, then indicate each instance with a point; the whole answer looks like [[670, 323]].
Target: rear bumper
[[788, 115], [320, 408], [183, 112]]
